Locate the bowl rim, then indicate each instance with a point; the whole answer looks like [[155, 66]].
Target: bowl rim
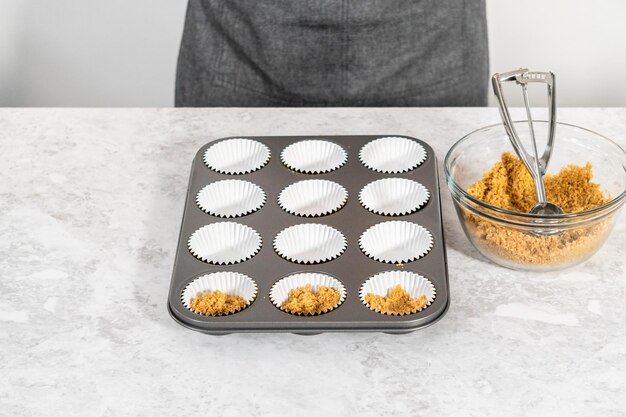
[[452, 184]]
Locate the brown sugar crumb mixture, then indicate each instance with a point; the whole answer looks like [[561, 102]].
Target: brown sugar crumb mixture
[[397, 303], [304, 301], [217, 303], [509, 185]]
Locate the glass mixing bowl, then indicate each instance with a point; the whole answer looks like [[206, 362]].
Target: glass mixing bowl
[[531, 242]]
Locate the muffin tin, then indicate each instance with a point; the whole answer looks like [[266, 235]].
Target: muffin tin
[[263, 212]]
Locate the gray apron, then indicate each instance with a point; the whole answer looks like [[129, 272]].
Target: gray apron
[[333, 53]]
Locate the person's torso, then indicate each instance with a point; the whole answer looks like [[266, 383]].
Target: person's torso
[[338, 52]]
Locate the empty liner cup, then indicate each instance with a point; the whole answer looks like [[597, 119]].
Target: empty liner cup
[[230, 198], [224, 243], [312, 198], [310, 243], [313, 156], [394, 196], [236, 156], [392, 154], [396, 242]]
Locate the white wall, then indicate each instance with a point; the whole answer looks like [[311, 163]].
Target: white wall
[[582, 41], [123, 52], [99, 53]]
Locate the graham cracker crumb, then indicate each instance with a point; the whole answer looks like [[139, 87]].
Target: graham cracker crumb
[[217, 303], [509, 185], [397, 303], [304, 301]]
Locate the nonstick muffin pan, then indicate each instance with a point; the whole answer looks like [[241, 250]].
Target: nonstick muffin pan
[[360, 213]]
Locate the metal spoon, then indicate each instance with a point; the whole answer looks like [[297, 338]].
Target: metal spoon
[[543, 206], [535, 165]]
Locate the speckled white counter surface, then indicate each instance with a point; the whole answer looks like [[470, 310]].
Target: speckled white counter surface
[[90, 209]]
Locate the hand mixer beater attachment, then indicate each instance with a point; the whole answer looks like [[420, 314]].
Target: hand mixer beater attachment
[[536, 165]]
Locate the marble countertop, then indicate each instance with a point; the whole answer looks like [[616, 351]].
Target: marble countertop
[[90, 209]]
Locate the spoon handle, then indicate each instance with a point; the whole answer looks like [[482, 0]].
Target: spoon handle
[[536, 165]]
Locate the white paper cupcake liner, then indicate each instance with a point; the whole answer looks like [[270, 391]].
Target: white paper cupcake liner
[[224, 243], [311, 198], [414, 284], [313, 156], [392, 154], [279, 293], [236, 156], [396, 242], [310, 243], [231, 283], [230, 198], [394, 196]]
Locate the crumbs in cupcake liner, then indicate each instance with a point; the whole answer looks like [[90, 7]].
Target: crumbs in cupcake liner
[[308, 293]]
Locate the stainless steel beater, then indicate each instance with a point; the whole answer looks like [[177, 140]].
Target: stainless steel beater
[[536, 166]]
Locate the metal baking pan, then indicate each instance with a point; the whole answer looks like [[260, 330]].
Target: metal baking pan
[[352, 268]]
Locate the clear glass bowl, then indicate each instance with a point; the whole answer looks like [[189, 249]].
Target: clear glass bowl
[[525, 241]]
